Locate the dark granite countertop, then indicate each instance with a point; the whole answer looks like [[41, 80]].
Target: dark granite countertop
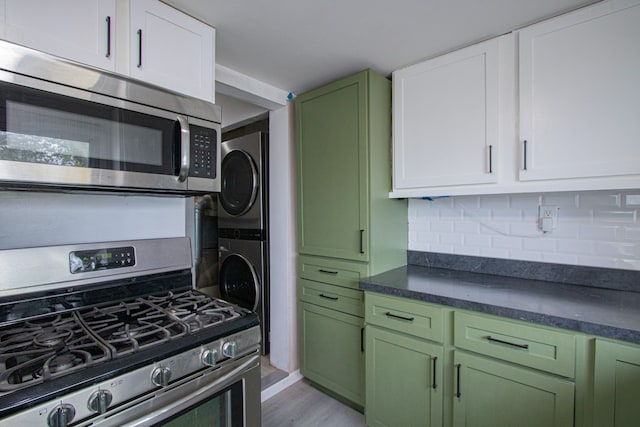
[[604, 312]]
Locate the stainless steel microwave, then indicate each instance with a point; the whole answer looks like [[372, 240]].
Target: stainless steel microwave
[[67, 126]]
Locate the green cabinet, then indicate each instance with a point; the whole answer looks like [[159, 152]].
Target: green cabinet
[[404, 380], [616, 385], [331, 352], [348, 227], [496, 394]]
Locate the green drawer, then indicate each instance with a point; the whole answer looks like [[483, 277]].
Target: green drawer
[[334, 297], [335, 272], [541, 348], [399, 314]]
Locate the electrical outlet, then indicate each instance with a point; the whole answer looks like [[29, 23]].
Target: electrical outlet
[[547, 218]]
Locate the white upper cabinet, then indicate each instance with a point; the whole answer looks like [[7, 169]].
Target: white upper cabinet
[[79, 30], [580, 96], [445, 120], [171, 49]]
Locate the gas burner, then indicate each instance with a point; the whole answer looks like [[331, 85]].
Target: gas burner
[[65, 362], [53, 337]]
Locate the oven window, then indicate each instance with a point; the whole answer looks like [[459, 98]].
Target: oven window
[[224, 409]]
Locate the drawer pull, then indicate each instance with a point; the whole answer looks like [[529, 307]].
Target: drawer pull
[[523, 346], [396, 316], [328, 297], [362, 340], [434, 385], [327, 271]]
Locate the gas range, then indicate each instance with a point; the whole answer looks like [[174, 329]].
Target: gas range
[[118, 327]]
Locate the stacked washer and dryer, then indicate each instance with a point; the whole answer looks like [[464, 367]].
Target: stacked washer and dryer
[[243, 226]]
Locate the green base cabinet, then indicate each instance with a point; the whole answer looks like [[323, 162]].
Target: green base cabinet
[[331, 352], [404, 380], [616, 385], [490, 393]]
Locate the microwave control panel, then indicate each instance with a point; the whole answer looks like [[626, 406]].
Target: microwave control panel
[[101, 259], [203, 152]]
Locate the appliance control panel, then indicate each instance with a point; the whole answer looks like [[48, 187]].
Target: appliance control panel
[[101, 259], [203, 152]]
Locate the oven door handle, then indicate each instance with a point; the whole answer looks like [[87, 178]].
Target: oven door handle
[[184, 402], [185, 148]]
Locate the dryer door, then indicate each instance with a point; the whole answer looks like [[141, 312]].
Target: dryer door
[[239, 282], [240, 181]]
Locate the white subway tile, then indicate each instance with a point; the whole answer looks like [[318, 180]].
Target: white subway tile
[[507, 215], [597, 232], [617, 250], [632, 200], [628, 264], [451, 239], [445, 249], [595, 261], [565, 230], [575, 215], [542, 245], [579, 247], [466, 227], [477, 240], [562, 200], [428, 237], [441, 226], [524, 201], [506, 242], [500, 201], [599, 199], [450, 214], [617, 216], [470, 202], [631, 233], [526, 229]]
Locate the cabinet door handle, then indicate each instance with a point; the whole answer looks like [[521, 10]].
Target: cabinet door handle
[[108, 20], [525, 154], [361, 241], [491, 159], [362, 340], [328, 297], [327, 271], [139, 48], [396, 316], [458, 394], [492, 339], [434, 385]]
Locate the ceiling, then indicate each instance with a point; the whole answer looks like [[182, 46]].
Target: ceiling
[[296, 45]]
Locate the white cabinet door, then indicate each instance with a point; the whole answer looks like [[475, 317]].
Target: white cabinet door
[[80, 30], [580, 94], [445, 113], [171, 49]]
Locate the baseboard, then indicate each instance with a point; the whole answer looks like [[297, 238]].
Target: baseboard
[[276, 388]]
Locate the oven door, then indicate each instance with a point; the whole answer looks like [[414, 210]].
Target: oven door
[[225, 397]]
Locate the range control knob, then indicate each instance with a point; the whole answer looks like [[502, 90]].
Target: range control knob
[[99, 401], [161, 376], [229, 349], [209, 357], [61, 416]]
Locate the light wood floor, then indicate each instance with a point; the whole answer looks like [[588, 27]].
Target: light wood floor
[[301, 405]]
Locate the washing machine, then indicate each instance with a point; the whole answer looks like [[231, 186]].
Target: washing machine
[[242, 201], [244, 274]]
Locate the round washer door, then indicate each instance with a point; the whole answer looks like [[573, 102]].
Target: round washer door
[[239, 283], [240, 183]]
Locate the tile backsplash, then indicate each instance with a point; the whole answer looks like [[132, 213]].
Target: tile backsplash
[[599, 228]]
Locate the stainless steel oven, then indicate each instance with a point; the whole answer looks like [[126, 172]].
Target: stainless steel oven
[[112, 334], [66, 125]]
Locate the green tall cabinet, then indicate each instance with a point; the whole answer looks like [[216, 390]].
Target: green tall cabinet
[[347, 226]]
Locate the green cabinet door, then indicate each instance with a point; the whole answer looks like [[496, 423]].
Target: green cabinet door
[[331, 352], [616, 400], [404, 380], [490, 393], [331, 130]]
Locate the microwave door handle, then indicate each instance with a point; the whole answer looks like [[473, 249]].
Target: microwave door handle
[[185, 154]]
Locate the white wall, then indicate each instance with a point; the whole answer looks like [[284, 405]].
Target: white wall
[[282, 241], [598, 228], [40, 219]]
